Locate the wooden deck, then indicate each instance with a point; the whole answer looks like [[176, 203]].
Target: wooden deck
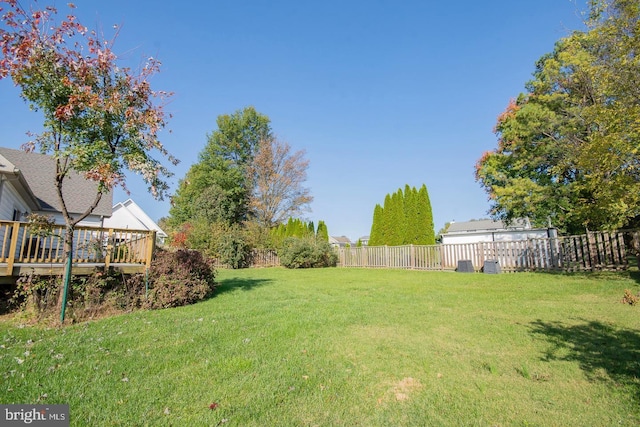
[[26, 251]]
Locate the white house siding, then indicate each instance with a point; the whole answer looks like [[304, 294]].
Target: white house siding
[[90, 221], [123, 218], [10, 201], [10, 204], [495, 236]]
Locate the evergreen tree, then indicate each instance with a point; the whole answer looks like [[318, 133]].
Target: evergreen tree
[[323, 233], [386, 221], [396, 219], [427, 234], [411, 229], [375, 236]]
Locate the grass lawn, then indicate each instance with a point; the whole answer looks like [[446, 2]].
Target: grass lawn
[[339, 347]]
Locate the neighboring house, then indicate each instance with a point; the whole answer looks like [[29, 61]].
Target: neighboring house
[[129, 215], [27, 185], [364, 240], [341, 241], [487, 230]]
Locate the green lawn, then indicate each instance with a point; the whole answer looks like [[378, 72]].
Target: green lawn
[[339, 347]]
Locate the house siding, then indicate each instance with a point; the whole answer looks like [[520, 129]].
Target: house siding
[[494, 236], [90, 221], [10, 201]]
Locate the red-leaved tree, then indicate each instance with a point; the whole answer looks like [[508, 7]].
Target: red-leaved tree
[[100, 119]]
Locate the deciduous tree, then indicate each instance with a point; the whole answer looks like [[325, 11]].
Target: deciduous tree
[[568, 147], [224, 163], [278, 177], [100, 119]]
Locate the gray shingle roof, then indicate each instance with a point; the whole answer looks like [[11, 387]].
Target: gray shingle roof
[[39, 170]]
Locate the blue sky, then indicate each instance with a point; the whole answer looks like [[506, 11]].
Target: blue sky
[[378, 93]]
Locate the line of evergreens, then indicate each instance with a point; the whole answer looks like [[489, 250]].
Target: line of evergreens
[[296, 227], [406, 218]]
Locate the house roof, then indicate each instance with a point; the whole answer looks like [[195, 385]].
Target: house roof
[[487, 225], [11, 173], [136, 217], [38, 171], [339, 239]]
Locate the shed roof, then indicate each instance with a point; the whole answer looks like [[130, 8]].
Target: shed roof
[[38, 171]]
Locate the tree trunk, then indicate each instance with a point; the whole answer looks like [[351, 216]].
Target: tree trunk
[[66, 278]]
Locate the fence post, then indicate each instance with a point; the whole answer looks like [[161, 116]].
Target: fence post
[[386, 256], [593, 250], [412, 257]]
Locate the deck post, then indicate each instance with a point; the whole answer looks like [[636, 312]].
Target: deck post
[[12, 248], [151, 246], [107, 259]]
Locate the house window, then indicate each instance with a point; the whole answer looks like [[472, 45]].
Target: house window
[[16, 215]]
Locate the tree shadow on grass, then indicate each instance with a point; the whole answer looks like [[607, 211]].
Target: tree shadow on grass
[[236, 283], [635, 275], [604, 352]]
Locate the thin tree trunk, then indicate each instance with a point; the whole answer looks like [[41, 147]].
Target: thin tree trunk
[[66, 278]]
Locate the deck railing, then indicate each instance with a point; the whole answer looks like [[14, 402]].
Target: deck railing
[[26, 249]]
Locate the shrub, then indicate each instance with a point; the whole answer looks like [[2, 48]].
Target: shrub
[[233, 249], [35, 295], [307, 253], [102, 292], [178, 278]]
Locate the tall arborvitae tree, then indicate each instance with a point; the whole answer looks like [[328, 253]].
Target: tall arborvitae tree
[[375, 236], [412, 219], [426, 232], [323, 233], [397, 219], [387, 222]]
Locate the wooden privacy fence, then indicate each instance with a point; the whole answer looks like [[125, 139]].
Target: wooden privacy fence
[[23, 250], [257, 258], [592, 251]]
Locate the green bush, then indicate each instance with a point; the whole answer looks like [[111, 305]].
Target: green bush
[[307, 253], [233, 249], [179, 278]]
